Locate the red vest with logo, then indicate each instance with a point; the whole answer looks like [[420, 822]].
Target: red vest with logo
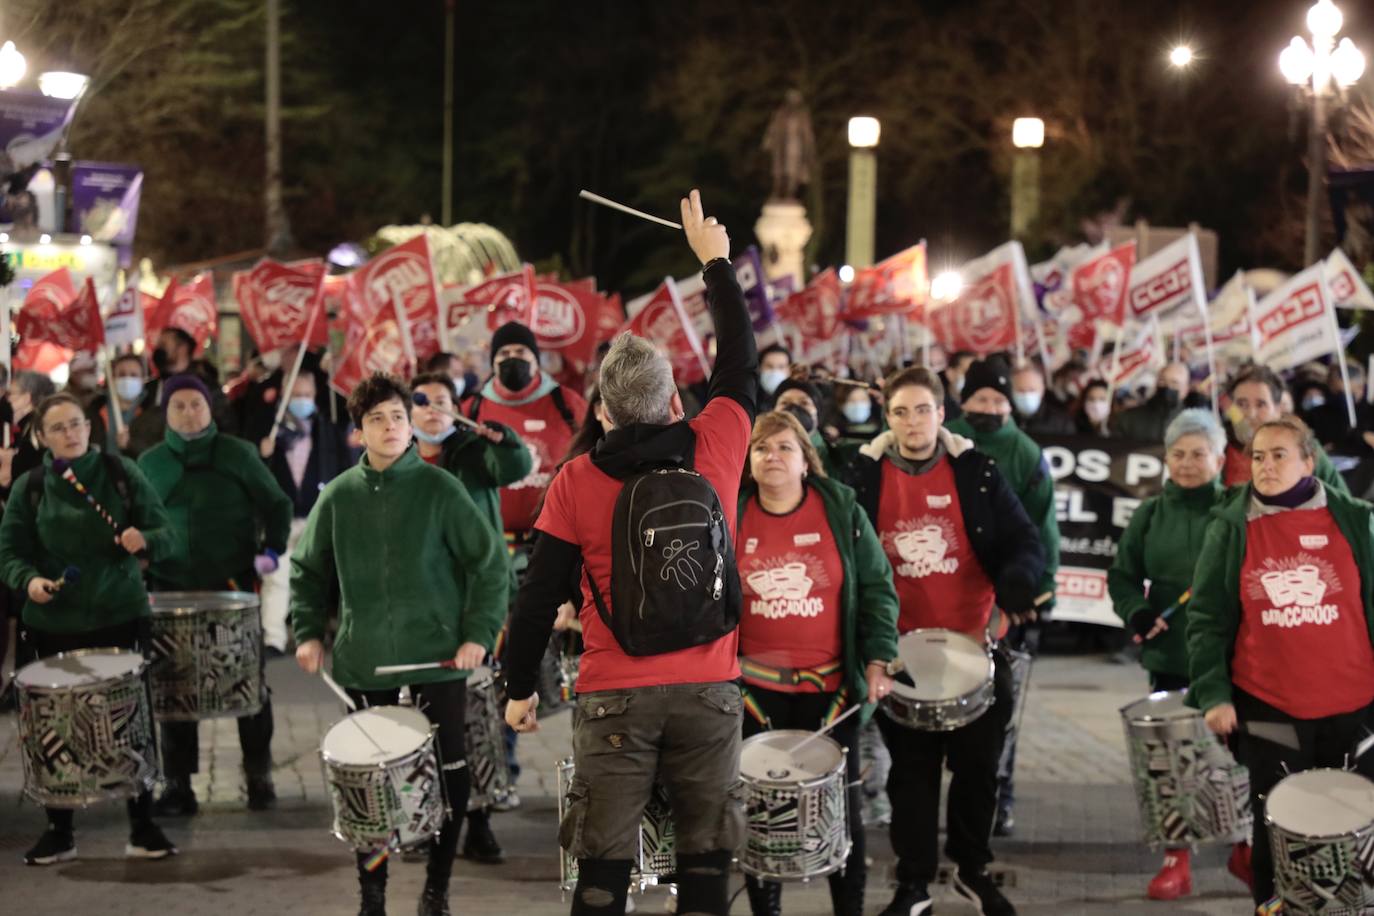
[[939, 580], [545, 432], [791, 573], [1303, 643]]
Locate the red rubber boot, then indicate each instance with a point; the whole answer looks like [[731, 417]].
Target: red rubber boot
[[1175, 879]]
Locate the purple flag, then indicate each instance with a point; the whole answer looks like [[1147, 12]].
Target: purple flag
[[30, 127], [105, 198]]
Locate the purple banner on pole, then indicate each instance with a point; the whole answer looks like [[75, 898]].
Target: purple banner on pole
[[105, 198], [30, 127], [749, 272]]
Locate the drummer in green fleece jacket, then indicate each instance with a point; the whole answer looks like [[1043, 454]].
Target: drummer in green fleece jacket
[[233, 521], [421, 577], [50, 527], [1161, 546]]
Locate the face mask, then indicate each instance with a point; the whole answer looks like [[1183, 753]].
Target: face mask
[[301, 408], [1313, 401], [1027, 402], [460, 384], [985, 422], [1097, 410], [857, 412], [958, 386], [803, 416], [428, 439], [1170, 396], [770, 379], [514, 373], [128, 388], [83, 382], [161, 362]]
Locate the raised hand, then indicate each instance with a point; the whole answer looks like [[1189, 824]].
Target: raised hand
[[706, 236]]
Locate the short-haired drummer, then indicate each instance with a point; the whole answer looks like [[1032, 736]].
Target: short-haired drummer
[[420, 577], [1279, 645], [49, 526], [819, 621], [959, 543]]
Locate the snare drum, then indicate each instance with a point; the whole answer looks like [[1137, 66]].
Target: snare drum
[[85, 727], [1189, 787], [953, 675], [486, 744], [798, 824], [657, 837], [1321, 829], [206, 655], [382, 769]]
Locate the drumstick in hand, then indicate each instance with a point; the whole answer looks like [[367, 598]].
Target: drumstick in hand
[[816, 734], [69, 575]]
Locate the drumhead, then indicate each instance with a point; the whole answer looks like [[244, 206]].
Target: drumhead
[[769, 757], [169, 604], [377, 735], [1163, 705], [944, 664], [83, 668], [1322, 803]]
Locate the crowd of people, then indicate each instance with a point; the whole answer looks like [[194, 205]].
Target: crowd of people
[[451, 518]]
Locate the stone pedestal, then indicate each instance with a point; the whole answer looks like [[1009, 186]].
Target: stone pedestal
[[783, 231]]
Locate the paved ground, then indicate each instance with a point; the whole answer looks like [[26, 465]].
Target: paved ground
[[1076, 850]]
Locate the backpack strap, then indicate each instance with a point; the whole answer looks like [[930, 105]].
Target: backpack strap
[[561, 404], [475, 406]]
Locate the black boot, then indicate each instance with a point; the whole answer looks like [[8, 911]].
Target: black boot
[[480, 844], [177, 799], [434, 899], [765, 897], [847, 890], [262, 794], [374, 899]]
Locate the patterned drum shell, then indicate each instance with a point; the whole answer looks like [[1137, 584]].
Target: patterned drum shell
[[486, 744], [953, 681], [382, 769], [1321, 830], [657, 837], [797, 806], [85, 727], [206, 658], [1188, 786]]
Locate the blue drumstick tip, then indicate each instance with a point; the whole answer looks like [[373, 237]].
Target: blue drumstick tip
[[71, 575]]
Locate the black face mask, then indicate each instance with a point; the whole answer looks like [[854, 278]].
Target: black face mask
[[161, 362], [1170, 396], [984, 422], [514, 373], [803, 416]]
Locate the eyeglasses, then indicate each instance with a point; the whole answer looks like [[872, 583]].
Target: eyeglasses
[[58, 429]]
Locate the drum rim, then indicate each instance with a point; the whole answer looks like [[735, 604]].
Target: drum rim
[[76, 653], [183, 603], [1328, 837], [1159, 719], [820, 780], [429, 739], [901, 689]]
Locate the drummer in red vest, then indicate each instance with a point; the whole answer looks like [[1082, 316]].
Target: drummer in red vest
[[541, 411], [1279, 645], [919, 475]]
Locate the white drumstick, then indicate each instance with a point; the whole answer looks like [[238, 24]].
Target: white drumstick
[[607, 202], [342, 694], [816, 734], [422, 400]]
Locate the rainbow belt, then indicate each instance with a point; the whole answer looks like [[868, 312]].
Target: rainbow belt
[[814, 676]]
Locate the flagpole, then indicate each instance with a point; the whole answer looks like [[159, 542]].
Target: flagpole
[[111, 397], [1116, 361], [1340, 350], [284, 396]]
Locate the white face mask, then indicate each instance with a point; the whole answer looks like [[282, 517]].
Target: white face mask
[[857, 412], [460, 384], [1097, 411], [128, 388], [1027, 402], [770, 379]]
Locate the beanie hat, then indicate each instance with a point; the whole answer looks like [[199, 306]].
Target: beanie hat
[[799, 384], [182, 382], [513, 332], [991, 373]]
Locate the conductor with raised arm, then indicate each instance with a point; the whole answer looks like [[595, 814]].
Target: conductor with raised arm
[[650, 513]]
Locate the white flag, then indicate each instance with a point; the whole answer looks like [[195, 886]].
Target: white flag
[[124, 324], [1167, 281], [1348, 289], [1296, 323], [1231, 305]]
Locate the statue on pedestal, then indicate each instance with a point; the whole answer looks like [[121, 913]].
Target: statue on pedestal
[[792, 144]]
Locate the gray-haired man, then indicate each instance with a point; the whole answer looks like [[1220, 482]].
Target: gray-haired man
[[669, 716]]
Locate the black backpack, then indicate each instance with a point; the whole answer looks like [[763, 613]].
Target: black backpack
[[674, 583]]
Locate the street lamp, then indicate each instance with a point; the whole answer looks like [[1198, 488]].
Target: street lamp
[[946, 286], [12, 66], [1323, 70], [1181, 56], [61, 84], [1027, 135], [863, 191]]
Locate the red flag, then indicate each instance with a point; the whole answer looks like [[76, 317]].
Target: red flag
[[815, 314], [72, 325], [662, 320], [379, 347], [1100, 285], [278, 302], [896, 286], [403, 275], [568, 324], [983, 318], [509, 297], [190, 307], [53, 290]]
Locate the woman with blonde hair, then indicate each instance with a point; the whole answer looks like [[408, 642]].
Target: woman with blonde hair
[[819, 618]]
